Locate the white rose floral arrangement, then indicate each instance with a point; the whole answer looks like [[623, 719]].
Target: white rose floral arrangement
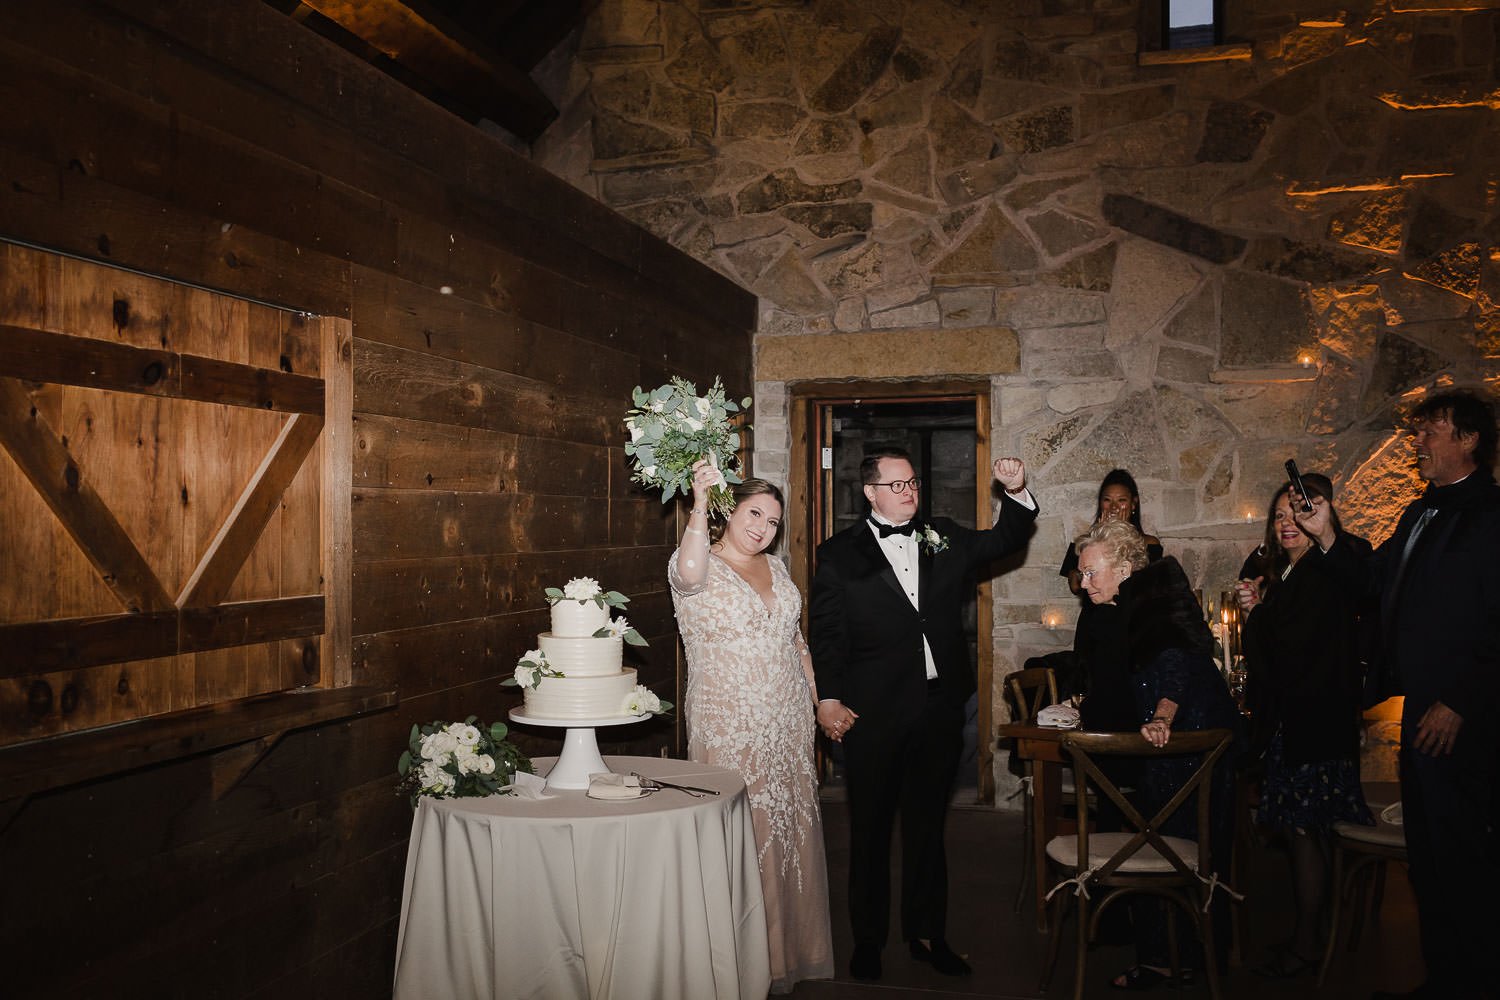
[[640, 701], [530, 669], [450, 760], [672, 427]]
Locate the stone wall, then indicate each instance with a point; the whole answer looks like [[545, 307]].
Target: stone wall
[[1210, 262]]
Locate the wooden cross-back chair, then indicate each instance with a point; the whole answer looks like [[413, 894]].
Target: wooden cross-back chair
[[1143, 859], [1031, 690]]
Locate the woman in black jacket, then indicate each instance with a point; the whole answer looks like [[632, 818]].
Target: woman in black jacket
[[1167, 650], [1302, 653]]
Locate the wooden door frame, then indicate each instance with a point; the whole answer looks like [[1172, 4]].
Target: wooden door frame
[[803, 474]]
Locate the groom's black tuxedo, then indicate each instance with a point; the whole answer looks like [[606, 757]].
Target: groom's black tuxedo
[[901, 754]]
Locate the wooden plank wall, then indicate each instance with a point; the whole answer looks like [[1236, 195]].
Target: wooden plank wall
[[500, 318]]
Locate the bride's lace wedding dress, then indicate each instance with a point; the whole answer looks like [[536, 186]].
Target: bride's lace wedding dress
[[748, 706]]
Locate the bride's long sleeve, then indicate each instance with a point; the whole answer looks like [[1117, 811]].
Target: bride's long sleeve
[[687, 571]]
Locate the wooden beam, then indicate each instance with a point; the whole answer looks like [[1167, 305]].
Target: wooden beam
[[32, 648], [245, 623], [529, 33], [57, 761], [336, 519], [226, 554], [214, 381], [422, 40], [44, 459], [42, 356]]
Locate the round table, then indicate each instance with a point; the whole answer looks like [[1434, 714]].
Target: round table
[[569, 896]]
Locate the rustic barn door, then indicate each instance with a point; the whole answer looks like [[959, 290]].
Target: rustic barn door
[[174, 490]]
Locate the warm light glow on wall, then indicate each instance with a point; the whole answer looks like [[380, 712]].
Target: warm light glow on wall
[[1298, 191], [1490, 100], [1400, 8], [1052, 618]]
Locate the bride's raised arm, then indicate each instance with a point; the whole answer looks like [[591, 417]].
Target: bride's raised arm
[[688, 570]]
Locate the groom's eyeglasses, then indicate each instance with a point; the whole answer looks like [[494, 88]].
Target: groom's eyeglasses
[[902, 485]]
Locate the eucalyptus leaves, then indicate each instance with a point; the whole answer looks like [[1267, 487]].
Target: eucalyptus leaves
[[671, 427]]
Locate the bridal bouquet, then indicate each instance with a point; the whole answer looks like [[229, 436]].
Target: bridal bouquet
[[671, 427], [458, 760]]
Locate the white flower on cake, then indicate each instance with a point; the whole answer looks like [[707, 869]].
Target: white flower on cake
[[584, 588], [530, 670], [639, 701], [620, 628], [581, 588]]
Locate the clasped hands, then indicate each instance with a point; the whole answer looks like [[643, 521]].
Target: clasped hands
[[835, 719]]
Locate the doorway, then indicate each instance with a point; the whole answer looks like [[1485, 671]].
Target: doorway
[[945, 428]]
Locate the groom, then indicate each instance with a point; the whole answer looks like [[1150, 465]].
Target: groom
[[893, 675]]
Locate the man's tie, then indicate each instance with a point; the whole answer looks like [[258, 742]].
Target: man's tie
[[887, 530]]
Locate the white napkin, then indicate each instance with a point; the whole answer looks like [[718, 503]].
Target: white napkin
[[614, 786], [1058, 717], [527, 786]]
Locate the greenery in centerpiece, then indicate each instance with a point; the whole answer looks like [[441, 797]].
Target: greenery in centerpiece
[[452, 760]]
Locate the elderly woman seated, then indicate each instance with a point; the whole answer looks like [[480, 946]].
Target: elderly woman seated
[[1176, 687]]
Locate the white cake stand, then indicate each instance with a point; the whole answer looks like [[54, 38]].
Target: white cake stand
[[580, 753]]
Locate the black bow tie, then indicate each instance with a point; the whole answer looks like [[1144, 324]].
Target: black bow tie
[[887, 530]]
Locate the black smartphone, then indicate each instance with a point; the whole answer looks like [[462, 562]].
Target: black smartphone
[[1296, 478]]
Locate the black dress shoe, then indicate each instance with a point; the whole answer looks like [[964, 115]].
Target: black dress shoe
[[943, 958], [866, 962]]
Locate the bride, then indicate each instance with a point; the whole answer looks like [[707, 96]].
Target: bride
[[749, 705]]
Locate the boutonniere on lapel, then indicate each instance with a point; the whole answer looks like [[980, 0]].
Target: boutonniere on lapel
[[932, 543]]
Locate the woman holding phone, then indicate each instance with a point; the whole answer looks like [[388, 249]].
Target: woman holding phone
[[1302, 650]]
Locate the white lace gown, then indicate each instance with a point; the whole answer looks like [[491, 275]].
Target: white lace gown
[[748, 706]]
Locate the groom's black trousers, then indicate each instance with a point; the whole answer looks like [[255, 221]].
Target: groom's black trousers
[[903, 769]]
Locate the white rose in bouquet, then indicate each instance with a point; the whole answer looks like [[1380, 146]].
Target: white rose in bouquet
[[672, 427]]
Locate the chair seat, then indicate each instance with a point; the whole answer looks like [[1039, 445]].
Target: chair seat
[[1382, 833], [1102, 847]]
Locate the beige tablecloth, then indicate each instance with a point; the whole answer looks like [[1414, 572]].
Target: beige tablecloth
[[570, 896]]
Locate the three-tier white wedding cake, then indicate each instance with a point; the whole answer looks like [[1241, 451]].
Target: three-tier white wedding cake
[[576, 672]]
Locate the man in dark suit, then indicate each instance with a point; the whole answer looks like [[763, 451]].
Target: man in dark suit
[[1438, 593], [893, 675]]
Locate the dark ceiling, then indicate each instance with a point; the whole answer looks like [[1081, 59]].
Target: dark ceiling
[[474, 57]]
